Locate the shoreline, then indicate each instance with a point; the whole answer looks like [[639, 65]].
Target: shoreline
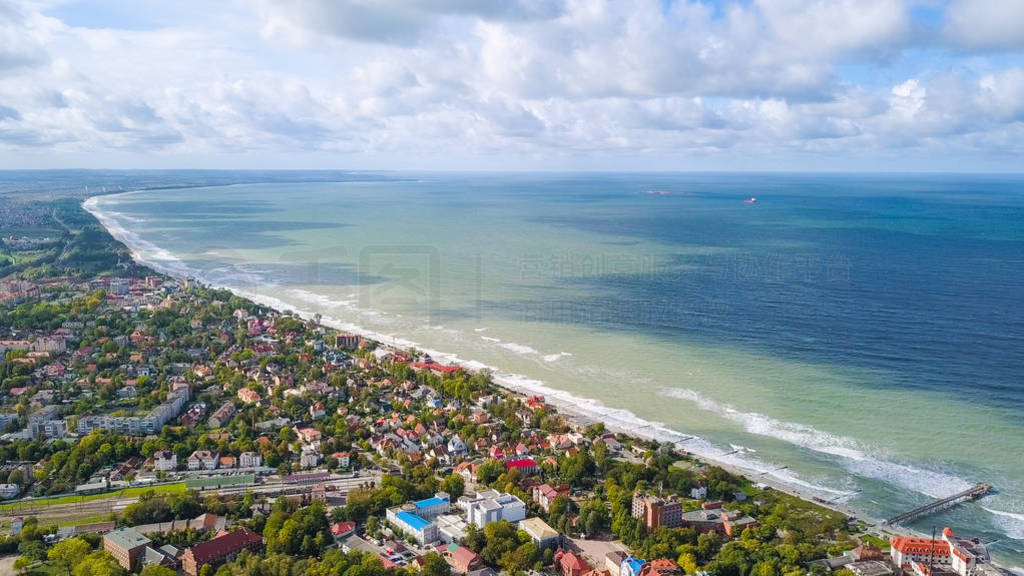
[[567, 404]]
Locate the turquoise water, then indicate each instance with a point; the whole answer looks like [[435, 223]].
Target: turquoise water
[[858, 338]]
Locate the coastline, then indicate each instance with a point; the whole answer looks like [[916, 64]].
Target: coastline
[[579, 410]]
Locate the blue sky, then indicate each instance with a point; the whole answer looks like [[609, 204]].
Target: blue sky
[[514, 84]]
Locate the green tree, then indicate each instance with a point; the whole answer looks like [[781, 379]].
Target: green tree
[[434, 565], [159, 571], [99, 563], [67, 554]]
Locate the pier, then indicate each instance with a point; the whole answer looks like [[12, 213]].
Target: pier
[[972, 493]]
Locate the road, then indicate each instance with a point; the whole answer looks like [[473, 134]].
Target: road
[[273, 487]]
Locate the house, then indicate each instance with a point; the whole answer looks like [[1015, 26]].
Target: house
[[631, 566], [248, 396], [342, 530], [219, 550], [570, 564], [660, 567], [613, 562], [228, 461], [527, 466], [699, 492], [203, 460], [309, 435], [342, 458], [9, 490], [250, 460], [127, 546], [542, 535], [165, 461], [545, 494], [310, 457], [223, 415], [317, 411], [462, 559]]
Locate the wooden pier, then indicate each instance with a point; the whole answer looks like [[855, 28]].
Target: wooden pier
[[972, 493]]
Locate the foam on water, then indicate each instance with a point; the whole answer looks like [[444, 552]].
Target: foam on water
[[1011, 522], [853, 455]]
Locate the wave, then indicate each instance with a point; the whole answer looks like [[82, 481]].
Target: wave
[[852, 454], [556, 357], [1011, 523], [518, 348]]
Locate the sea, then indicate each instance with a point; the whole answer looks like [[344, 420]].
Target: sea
[[858, 338]]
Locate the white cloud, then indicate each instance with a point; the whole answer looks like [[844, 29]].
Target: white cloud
[[986, 24], [444, 83]]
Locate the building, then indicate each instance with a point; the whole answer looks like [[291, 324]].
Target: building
[[613, 562], [223, 415], [661, 567], [137, 425], [46, 423], [9, 490], [527, 466], [462, 559], [219, 550], [127, 546], [310, 457], [656, 512], [957, 555], [248, 396], [165, 461], [543, 536], [250, 460], [405, 519], [343, 530], [570, 564], [434, 506], [490, 506], [631, 566], [203, 460], [545, 494], [712, 517]]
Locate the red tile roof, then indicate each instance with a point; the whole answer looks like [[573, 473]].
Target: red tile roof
[[223, 546]]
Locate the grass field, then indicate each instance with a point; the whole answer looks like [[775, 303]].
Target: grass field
[[176, 488]]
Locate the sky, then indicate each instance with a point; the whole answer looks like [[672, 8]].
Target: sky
[[805, 85]]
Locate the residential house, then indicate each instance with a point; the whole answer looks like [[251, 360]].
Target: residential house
[[203, 460], [165, 461], [250, 460]]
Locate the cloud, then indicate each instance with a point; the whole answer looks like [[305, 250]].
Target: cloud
[[985, 24], [533, 83]]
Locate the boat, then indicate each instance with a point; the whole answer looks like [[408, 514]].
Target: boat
[[751, 200]]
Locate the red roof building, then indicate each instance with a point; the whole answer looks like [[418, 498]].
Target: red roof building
[[219, 550], [526, 465]]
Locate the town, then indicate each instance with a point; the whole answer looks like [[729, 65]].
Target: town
[[159, 426]]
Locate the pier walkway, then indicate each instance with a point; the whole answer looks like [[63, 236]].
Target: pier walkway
[[972, 493]]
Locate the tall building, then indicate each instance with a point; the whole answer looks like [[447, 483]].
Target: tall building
[[655, 511]]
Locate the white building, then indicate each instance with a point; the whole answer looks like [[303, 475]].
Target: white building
[[491, 506], [405, 519], [9, 490], [310, 457], [165, 461], [250, 460], [203, 459]]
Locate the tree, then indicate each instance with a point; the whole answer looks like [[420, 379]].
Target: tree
[[67, 554], [434, 565], [160, 571], [99, 563], [206, 570]]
